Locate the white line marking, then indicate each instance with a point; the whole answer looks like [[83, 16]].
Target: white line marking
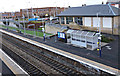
[[3, 53], [69, 55]]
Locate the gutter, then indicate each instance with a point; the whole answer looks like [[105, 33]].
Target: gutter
[[111, 9]]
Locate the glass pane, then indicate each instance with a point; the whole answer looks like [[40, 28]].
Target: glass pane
[[62, 20], [69, 19], [76, 20], [80, 21]]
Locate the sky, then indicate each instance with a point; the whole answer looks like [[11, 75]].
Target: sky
[[16, 5]]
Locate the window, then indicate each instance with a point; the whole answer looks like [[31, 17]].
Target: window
[[79, 20], [69, 19], [18, 14], [88, 21], [62, 20], [34, 10], [4, 14]]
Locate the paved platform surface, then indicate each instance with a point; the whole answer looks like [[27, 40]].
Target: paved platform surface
[[5, 70], [109, 56], [13, 66]]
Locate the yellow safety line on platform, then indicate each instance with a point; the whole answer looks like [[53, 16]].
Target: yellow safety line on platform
[[69, 55]]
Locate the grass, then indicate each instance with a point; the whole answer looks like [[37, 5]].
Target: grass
[[36, 21], [21, 20], [106, 39], [40, 34], [39, 28]]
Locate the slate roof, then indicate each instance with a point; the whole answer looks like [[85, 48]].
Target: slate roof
[[91, 10], [113, 0]]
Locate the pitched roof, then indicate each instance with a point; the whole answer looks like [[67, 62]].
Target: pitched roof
[[92, 10], [113, 0]]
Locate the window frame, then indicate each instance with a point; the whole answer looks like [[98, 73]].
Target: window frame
[[79, 20], [62, 20], [68, 20]]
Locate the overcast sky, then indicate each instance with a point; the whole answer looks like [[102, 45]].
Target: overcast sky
[[16, 5]]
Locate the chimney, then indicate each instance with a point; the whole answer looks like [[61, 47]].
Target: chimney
[[83, 4], [102, 2]]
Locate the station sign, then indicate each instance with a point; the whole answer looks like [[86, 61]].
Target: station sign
[[61, 35]]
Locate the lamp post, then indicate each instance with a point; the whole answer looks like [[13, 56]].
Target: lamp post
[[99, 37], [19, 24], [34, 27], [23, 21], [34, 31], [7, 23], [28, 13], [43, 30], [24, 24]]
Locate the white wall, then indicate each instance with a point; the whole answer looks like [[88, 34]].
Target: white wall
[[12, 25], [96, 22], [88, 21], [107, 22]]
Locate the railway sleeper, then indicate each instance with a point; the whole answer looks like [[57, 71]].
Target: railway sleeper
[[49, 60]]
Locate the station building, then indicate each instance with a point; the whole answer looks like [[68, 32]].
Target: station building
[[115, 3], [92, 17], [13, 15], [41, 12]]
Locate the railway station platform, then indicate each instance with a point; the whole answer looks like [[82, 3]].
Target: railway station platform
[[108, 62], [13, 68], [4, 70]]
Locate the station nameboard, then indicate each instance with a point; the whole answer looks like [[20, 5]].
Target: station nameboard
[[61, 35]]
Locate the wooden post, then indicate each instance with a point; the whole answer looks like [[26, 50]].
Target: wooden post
[[74, 19], [101, 23], [65, 20], [112, 25], [91, 23], [60, 20]]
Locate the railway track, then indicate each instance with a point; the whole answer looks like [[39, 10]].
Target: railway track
[[30, 68], [41, 57]]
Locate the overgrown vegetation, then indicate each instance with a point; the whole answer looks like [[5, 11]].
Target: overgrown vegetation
[[40, 29], [40, 34], [106, 39], [21, 19], [36, 22]]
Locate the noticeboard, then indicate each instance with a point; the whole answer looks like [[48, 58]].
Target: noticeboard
[[61, 35]]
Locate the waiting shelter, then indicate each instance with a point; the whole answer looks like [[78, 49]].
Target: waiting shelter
[[83, 38]]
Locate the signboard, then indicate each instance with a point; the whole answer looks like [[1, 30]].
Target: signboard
[[33, 19], [43, 30], [61, 35]]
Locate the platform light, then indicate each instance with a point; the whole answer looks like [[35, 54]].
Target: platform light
[[98, 49], [46, 14]]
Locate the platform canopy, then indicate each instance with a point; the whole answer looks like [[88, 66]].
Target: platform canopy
[[70, 31]]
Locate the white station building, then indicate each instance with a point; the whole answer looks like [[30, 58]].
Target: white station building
[[92, 17]]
